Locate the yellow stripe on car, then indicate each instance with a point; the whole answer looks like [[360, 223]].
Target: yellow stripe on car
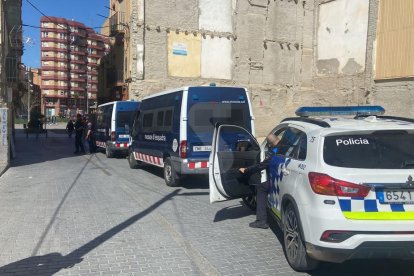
[[379, 215]]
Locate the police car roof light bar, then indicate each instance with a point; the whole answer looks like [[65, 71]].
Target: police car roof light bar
[[308, 111]]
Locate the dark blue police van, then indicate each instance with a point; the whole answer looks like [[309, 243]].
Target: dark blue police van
[[174, 129], [113, 123]]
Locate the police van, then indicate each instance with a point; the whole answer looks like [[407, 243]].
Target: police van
[[113, 124], [174, 129]]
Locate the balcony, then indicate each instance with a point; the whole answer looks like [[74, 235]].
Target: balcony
[[117, 23]]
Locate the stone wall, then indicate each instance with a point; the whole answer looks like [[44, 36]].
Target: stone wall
[[275, 55]]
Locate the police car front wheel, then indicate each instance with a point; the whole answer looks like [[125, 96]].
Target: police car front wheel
[[294, 245]]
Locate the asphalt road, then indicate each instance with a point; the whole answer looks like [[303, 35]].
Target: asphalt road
[[66, 214]]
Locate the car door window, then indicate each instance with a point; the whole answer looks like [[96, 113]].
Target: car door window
[[293, 143]]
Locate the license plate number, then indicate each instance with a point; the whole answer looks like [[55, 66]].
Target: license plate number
[[201, 148], [124, 136], [399, 196]]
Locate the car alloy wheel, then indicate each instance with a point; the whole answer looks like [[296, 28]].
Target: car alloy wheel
[[294, 245]]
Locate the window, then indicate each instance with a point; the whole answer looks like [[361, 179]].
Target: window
[[168, 118], [147, 120], [377, 150], [395, 38], [293, 143], [160, 118]]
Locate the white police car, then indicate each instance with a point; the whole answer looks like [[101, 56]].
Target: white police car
[[340, 187]]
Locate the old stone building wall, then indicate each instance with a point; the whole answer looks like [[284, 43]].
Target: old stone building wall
[[288, 53]]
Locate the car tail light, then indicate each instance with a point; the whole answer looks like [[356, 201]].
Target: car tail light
[[323, 184], [113, 136], [183, 149]]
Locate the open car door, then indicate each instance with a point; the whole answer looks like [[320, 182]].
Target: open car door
[[233, 147]]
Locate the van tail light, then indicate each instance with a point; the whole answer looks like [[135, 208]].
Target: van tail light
[[323, 184], [183, 149], [113, 137]]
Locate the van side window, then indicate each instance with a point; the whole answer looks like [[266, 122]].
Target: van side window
[[160, 118], [147, 120], [168, 118]]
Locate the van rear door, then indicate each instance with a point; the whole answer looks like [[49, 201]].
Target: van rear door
[[207, 106], [124, 118]]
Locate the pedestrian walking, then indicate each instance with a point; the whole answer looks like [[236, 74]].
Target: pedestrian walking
[[262, 189], [79, 130], [70, 127], [90, 137]]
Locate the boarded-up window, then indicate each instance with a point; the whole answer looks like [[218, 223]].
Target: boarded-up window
[[395, 39]]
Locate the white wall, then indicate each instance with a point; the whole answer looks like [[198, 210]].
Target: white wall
[[216, 15], [216, 59], [342, 36]]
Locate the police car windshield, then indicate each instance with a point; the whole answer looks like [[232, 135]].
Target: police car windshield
[[377, 150]]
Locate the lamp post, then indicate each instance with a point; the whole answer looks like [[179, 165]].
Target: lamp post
[[87, 95], [28, 93]]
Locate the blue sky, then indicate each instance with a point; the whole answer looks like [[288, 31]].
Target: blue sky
[[84, 11]]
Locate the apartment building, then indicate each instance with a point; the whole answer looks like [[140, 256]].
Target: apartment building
[[69, 60]]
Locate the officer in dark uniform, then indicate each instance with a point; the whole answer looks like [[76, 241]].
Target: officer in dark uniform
[[79, 130], [262, 189]]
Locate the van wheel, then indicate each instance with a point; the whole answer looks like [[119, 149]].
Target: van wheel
[[294, 245], [170, 176], [133, 164], [109, 153]]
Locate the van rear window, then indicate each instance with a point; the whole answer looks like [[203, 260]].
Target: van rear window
[[124, 118], [203, 116], [377, 150]]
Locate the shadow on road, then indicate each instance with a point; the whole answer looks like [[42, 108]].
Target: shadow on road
[[232, 212], [188, 182], [52, 263], [377, 267], [32, 151]]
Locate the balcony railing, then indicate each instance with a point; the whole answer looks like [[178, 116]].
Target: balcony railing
[[117, 23]]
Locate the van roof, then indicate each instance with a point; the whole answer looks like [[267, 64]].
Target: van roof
[[118, 102], [185, 88]]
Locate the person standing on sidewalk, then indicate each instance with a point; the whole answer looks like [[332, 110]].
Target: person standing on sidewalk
[[70, 127], [90, 137], [79, 130], [262, 189]]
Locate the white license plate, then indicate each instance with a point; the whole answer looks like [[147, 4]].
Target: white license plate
[[201, 148], [123, 136], [399, 196]]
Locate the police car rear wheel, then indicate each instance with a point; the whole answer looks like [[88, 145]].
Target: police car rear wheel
[[170, 176], [294, 246]]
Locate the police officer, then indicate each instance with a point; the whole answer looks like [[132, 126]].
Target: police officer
[[262, 189], [79, 129]]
